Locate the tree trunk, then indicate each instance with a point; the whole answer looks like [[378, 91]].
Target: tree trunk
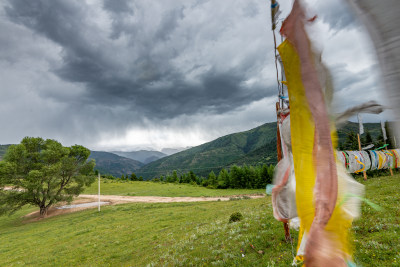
[[43, 211]]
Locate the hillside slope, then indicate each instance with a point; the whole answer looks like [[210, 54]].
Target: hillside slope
[[109, 163], [253, 147], [216, 154]]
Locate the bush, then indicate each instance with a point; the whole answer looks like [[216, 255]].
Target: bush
[[235, 217]]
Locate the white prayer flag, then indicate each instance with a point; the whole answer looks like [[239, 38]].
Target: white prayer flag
[[360, 124], [383, 131]]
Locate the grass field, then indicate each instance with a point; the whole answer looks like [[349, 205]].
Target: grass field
[[184, 234], [130, 188]]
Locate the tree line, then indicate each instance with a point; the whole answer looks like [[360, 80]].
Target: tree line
[[351, 141], [235, 177]]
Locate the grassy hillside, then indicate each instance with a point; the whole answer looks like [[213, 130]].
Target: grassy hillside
[[109, 163], [213, 155], [130, 188], [373, 128], [182, 234], [253, 147]]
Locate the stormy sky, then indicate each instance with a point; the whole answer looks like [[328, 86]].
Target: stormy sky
[[132, 74]]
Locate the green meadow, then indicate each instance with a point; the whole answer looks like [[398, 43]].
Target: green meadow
[[136, 188], [185, 234]]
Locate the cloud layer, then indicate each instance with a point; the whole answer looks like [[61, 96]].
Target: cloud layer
[[96, 73]]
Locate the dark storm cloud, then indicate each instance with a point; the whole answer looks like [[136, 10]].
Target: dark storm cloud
[[140, 63], [153, 73]]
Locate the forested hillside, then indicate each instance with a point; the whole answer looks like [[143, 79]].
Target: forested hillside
[[254, 147]]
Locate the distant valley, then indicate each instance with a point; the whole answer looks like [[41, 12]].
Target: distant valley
[[144, 156], [253, 147]]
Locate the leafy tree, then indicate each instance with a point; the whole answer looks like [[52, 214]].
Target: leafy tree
[[42, 173], [351, 142], [379, 141], [212, 180], [140, 178], [223, 179], [192, 177], [174, 177], [368, 138], [266, 175], [134, 177], [185, 178], [237, 177]]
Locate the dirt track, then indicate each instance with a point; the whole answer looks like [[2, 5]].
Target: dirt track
[[129, 199], [154, 199]]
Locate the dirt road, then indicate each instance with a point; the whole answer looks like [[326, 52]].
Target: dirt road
[[154, 199], [114, 200]]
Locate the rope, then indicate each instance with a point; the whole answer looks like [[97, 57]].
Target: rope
[[274, 14]]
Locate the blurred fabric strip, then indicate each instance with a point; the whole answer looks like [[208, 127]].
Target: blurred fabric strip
[[382, 21]]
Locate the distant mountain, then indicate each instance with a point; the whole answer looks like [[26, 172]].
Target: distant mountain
[[109, 163], [144, 156], [219, 153], [106, 163], [170, 151], [256, 146], [253, 147]]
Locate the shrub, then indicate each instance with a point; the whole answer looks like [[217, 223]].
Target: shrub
[[235, 217]]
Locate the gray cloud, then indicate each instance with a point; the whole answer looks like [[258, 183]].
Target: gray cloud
[[81, 71], [336, 14], [143, 75]]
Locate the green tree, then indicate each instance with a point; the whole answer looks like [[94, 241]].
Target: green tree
[[192, 177], [223, 179], [212, 180], [172, 178], [351, 142], [237, 177], [175, 177], [368, 139], [134, 177], [42, 173]]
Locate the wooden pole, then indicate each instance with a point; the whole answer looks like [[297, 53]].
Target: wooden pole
[[279, 157], [99, 192], [359, 148]]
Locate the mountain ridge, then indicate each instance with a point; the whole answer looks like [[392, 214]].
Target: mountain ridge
[[252, 147]]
